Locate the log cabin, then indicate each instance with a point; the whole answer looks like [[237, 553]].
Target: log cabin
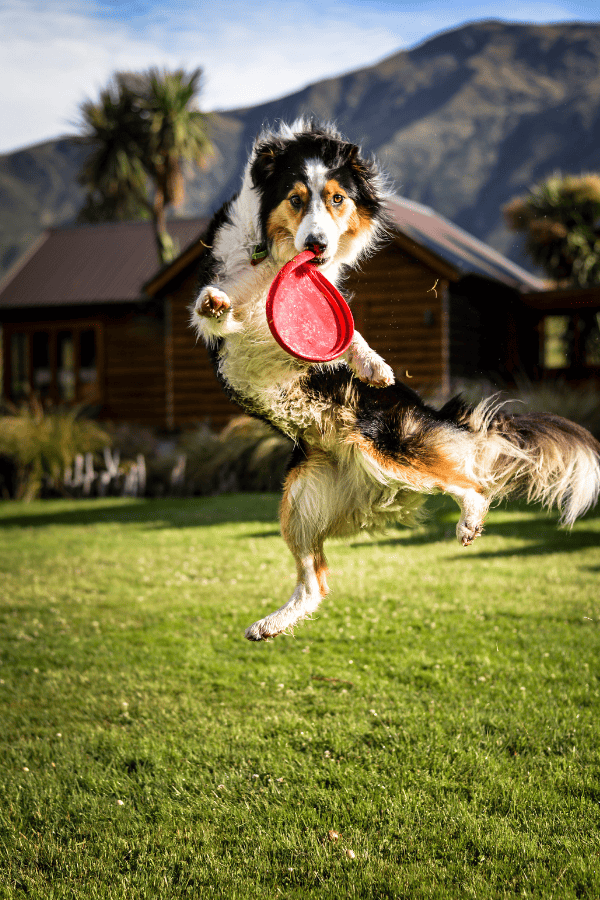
[[88, 317]]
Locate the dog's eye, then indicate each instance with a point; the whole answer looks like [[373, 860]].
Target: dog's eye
[[295, 201], [337, 199]]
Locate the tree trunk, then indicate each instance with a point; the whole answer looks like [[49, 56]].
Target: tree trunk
[[164, 241]]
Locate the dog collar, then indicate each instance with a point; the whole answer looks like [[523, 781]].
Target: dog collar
[[260, 252]]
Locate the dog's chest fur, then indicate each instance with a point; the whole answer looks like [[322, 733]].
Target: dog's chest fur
[[264, 379], [267, 382]]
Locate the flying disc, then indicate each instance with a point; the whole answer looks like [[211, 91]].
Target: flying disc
[[307, 315]]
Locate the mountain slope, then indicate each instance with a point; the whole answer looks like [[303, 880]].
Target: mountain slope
[[462, 123]]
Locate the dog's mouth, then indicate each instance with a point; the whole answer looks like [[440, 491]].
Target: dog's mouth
[[320, 258]]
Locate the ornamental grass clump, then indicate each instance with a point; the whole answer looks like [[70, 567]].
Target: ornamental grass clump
[[42, 443], [248, 455]]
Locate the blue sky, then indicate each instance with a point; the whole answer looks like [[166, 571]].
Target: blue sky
[[56, 53]]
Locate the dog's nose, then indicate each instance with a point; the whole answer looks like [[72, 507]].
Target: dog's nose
[[316, 243]]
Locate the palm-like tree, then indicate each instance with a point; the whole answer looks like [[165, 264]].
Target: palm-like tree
[[560, 218], [144, 129], [177, 134], [113, 173]]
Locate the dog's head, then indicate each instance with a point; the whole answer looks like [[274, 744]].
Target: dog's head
[[316, 192]]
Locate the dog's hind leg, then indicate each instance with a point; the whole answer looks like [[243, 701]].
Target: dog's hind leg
[[473, 509], [308, 511]]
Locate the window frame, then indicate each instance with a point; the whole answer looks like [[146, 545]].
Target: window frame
[[53, 328], [576, 364]]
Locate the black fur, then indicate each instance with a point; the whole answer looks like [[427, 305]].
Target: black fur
[[207, 268], [386, 416], [280, 163]]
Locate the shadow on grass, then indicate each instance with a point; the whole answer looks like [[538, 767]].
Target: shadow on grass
[[540, 530], [552, 541], [540, 533], [188, 512]]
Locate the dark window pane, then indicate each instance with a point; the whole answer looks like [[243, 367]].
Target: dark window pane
[[87, 348], [19, 360], [40, 356], [592, 343], [65, 366], [88, 367]]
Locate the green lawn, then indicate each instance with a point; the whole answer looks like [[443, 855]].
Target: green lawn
[[441, 713]]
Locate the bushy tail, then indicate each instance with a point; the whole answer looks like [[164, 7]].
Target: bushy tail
[[539, 456]]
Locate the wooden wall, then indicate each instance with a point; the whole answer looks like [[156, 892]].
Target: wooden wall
[[399, 309], [134, 367], [193, 394]]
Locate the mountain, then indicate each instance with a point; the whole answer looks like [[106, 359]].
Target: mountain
[[462, 123]]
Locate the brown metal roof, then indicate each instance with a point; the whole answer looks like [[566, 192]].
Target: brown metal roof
[[106, 263], [456, 247]]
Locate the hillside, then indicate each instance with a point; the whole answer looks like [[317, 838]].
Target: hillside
[[462, 123]]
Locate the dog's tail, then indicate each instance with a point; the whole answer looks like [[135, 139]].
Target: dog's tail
[[539, 456]]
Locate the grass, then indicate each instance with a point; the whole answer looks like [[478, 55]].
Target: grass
[[440, 713]]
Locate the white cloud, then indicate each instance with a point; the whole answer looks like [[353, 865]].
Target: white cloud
[[53, 57], [55, 54]]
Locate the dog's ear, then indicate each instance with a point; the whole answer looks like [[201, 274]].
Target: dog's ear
[[365, 175], [359, 166], [353, 151], [264, 161], [353, 159]]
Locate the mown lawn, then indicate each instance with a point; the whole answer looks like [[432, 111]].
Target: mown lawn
[[441, 713]]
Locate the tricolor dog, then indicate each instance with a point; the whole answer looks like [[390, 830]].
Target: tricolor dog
[[367, 448]]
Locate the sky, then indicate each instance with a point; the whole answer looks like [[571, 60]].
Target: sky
[[54, 54]]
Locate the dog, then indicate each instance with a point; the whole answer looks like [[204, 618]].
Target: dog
[[367, 449]]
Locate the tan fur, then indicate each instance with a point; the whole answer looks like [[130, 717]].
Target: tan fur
[[438, 474]]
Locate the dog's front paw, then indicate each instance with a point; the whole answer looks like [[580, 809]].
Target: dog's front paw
[[212, 303], [372, 369]]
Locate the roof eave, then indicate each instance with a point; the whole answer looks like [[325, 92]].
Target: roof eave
[[439, 265], [162, 278], [563, 298]]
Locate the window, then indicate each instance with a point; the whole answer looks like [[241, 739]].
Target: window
[[571, 341], [58, 362], [88, 366], [19, 363], [556, 342], [65, 371], [42, 371]]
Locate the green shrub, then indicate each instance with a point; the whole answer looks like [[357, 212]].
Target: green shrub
[[248, 455], [42, 443]]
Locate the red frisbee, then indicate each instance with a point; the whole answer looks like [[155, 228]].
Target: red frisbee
[[307, 315]]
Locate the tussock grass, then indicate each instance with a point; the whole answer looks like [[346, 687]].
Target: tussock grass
[[440, 714], [41, 444]]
